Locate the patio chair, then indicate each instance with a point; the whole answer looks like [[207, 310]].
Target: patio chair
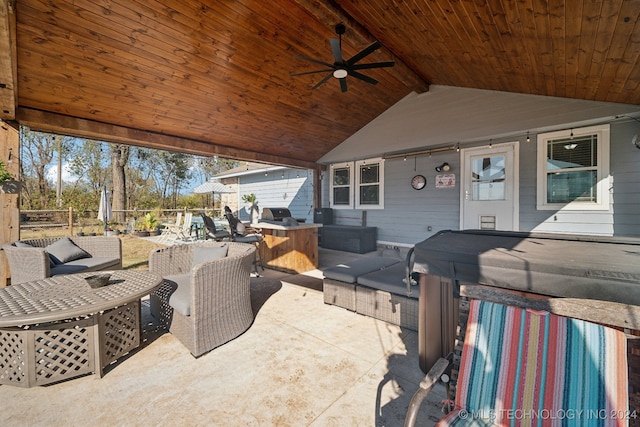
[[205, 298], [253, 237], [212, 231], [170, 231], [516, 362], [179, 233]]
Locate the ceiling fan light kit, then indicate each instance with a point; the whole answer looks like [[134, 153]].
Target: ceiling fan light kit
[[340, 68]]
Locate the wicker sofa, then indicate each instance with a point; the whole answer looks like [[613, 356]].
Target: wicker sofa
[[204, 299], [373, 286], [30, 259]]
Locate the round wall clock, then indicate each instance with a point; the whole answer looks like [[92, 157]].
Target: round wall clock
[[418, 182]]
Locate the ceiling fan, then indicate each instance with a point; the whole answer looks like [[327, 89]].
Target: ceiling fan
[[340, 68]]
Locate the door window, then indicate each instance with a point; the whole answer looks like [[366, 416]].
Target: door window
[[488, 178]]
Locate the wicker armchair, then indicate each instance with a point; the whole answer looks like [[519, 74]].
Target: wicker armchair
[[219, 304], [33, 263]]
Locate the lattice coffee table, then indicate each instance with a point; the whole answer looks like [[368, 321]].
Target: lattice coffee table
[[59, 328]]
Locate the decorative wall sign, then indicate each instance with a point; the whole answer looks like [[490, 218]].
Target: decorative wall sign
[[446, 180]]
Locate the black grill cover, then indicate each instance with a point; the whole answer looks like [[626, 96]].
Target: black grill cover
[[275, 214], [604, 268]]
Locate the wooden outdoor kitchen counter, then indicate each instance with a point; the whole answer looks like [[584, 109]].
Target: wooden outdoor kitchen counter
[[293, 249]]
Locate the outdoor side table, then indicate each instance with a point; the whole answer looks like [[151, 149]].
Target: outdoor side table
[[59, 328]]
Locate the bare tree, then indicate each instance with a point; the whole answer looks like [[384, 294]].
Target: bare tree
[[38, 150], [119, 160]]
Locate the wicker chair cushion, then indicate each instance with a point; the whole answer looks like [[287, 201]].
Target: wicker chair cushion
[[541, 365], [350, 271], [20, 244], [180, 299], [86, 264], [390, 279], [64, 250], [208, 253]]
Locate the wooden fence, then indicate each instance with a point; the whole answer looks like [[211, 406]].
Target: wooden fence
[[72, 218]]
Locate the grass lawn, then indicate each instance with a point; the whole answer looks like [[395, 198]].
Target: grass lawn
[[135, 251]]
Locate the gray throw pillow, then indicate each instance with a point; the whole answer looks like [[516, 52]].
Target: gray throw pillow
[[64, 250], [208, 253]]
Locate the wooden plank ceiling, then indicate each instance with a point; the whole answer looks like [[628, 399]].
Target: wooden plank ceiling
[[213, 77]]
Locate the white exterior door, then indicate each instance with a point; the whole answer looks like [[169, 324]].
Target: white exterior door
[[489, 199]]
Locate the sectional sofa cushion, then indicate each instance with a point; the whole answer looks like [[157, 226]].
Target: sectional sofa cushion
[[349, 272], [390, 279]]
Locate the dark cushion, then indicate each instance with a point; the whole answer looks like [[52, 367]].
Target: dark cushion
[[20, 244], [64, 250], [350, 271], [180, 299], [208, 253], [390, 279]]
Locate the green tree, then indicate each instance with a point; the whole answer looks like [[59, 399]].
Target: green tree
[[211, 166], [89, 162], [170, 172]]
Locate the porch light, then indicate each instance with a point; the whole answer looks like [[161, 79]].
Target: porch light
[[443, 167]]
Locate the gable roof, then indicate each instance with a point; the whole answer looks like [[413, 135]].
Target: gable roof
[[448, 116]]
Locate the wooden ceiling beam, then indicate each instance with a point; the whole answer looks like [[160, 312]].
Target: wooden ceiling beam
[[8, 62], [330, 11], [42, 121]]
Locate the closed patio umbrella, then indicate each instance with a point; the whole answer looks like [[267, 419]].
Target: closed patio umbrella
[[104, 210]]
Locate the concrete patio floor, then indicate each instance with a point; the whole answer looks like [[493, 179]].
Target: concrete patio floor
[[301, 363]]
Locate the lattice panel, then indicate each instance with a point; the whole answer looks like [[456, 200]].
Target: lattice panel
[[12, 361], [63, 352], [159, 301], [119, 332]]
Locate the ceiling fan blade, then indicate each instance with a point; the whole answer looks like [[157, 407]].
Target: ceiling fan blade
[[343, 84], [363, 77], [337, 51], [373, 65], [326, 64], [328, 76], [309, 72], [364, 52]]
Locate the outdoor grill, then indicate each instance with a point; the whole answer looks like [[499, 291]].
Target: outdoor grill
[[275, 214]]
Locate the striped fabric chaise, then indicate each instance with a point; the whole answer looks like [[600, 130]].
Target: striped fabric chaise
[[525, 367]]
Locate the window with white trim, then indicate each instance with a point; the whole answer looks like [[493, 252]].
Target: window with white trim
[[358, 185], [341, 186], [369, 184], [573, 169]]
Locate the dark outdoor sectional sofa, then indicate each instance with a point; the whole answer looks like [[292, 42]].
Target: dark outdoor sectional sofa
[[373, 286]]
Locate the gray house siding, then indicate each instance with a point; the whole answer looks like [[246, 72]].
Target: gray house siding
[[284, 188], [626, 179], [408, 214]]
